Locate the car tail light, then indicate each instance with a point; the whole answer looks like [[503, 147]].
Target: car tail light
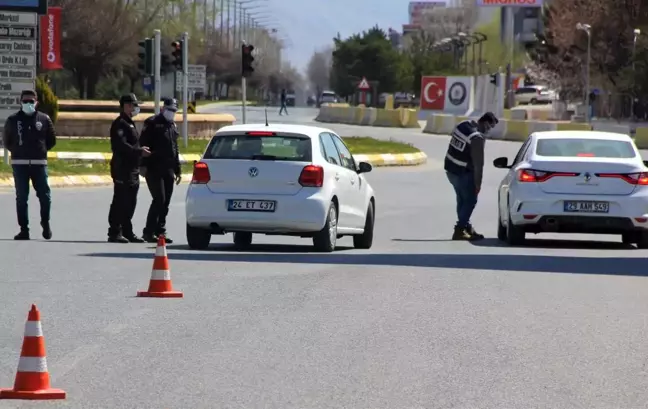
[[585, 155], [529, 175], [260, 133], [200, 173], [312, 176], [632, 178]]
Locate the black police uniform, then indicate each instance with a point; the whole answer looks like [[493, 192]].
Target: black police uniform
[[162, 168], [124, 169], [28, 138]]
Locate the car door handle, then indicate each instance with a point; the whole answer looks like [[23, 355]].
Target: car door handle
[[352, 181], [337, 176]]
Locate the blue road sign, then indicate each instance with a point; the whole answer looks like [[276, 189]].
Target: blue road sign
[[147, 84]]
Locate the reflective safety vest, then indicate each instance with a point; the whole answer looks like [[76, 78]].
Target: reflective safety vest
[[458, 158]]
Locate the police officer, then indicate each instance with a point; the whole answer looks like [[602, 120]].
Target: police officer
[[162, 168], [124, 169], [28, 135], [464, 165]]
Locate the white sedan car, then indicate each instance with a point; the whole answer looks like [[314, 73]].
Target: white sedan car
[[574, 182], [279, 179]]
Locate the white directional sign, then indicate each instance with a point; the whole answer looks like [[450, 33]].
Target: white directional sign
[[197, 78], [18, 58]]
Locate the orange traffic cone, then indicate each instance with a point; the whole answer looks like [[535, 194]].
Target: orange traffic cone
[[160, 285], [32, 379]]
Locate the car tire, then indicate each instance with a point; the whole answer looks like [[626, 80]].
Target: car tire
[[242, 240], [365, 240], [198, 238], [501, 229], [324, 240], [533, 101], [514, 234], [642, 240]]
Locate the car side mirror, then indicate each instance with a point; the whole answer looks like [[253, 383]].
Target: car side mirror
[[364, 167], [501, 163]]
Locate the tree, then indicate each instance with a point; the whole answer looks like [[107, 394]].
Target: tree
[[370, 55], [319, 70]]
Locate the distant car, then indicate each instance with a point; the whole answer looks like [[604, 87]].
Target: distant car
[[534, 94], [290, 98], [279, 179], [327, 97], [574, 182]]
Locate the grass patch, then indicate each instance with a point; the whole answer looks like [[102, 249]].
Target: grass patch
[[357, 145]]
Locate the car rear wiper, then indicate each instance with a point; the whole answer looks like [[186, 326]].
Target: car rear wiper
[[264, 157]]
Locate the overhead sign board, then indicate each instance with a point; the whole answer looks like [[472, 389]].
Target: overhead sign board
[[197, 78], [509, 3]]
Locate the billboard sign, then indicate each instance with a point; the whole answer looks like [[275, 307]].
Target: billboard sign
[[27, 6], [417, 9], [509, 3]]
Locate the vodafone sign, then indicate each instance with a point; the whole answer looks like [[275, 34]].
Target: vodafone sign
[[511, 3]]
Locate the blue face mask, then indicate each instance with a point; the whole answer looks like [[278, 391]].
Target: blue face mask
[[28, 108]]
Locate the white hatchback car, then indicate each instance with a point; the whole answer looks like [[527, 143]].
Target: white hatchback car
[[279, 180], [574, 182]]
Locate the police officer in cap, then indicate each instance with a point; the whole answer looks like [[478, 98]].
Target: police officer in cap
[[464, 165], [124, 169], [162, 168]]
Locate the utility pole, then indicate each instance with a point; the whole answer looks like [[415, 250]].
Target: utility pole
[[158, 67], [185, 87], [222, 26]]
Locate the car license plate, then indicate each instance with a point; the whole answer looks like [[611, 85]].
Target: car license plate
[[586, 207], [237, 205]]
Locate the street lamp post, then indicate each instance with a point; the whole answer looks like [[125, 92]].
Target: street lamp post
[[637, 32], [587, 29], [481, 37]]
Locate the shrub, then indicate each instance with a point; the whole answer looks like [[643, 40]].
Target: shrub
[[47, 101]]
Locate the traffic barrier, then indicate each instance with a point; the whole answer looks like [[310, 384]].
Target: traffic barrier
[[336, 104], [32, 377], [160, 285], [516, 130], [392, 118], [641, 138], [608, 127], [368, 116], [98, 124], [387, 118], [409, 118], [573, 126]]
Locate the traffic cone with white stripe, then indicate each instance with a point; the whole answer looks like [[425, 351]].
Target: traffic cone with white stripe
[[160, 285], [32, 379]]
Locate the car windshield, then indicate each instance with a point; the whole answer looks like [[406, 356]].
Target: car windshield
[[594, 148], [260, 147]]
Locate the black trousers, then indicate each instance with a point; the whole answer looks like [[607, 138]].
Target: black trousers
[[160, 184], [122, 209]]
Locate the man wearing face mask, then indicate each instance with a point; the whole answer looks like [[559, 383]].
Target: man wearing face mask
[[464, 166], [28, 135], [162, 168], [124, 169]]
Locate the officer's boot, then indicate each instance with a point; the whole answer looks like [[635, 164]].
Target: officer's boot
[[23, 235], [461, 233], [473, 233], [47, 231], [149, 237]]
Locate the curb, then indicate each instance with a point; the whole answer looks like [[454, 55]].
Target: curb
[[377, 160]]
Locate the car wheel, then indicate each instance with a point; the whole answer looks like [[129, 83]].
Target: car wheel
[[197, 238], [501, 230], [242, 240], [642, 240], [365, 240], [325, 239], [514, 234], [533, 101]]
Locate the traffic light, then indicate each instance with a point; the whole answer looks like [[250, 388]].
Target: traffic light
[[246, 60], [494, 79], [177, 54], [145, 54]]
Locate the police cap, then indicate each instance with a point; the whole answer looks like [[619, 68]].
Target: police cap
[[128, 99], [170, 103]]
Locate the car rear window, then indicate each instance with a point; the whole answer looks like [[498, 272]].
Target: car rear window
[[593, 148], [296, 148]]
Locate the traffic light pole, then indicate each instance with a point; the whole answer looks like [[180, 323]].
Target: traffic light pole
[[185, 87], [243, 95], [158, 67]]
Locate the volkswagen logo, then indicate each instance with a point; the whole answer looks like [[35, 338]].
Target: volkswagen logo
[[588, 177], [253, 172]]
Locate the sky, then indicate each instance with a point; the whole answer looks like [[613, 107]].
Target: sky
[[310, 25]]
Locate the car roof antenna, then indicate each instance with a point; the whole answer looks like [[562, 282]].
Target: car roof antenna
[[266, 115]]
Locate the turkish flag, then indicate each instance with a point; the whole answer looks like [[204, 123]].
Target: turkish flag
[[50, 39], [433, 93]]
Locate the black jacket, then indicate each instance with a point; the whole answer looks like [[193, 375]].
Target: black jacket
[[29, 137], [161, 136], [126, 149]]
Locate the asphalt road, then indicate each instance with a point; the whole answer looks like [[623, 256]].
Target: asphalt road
[[416, 322]]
